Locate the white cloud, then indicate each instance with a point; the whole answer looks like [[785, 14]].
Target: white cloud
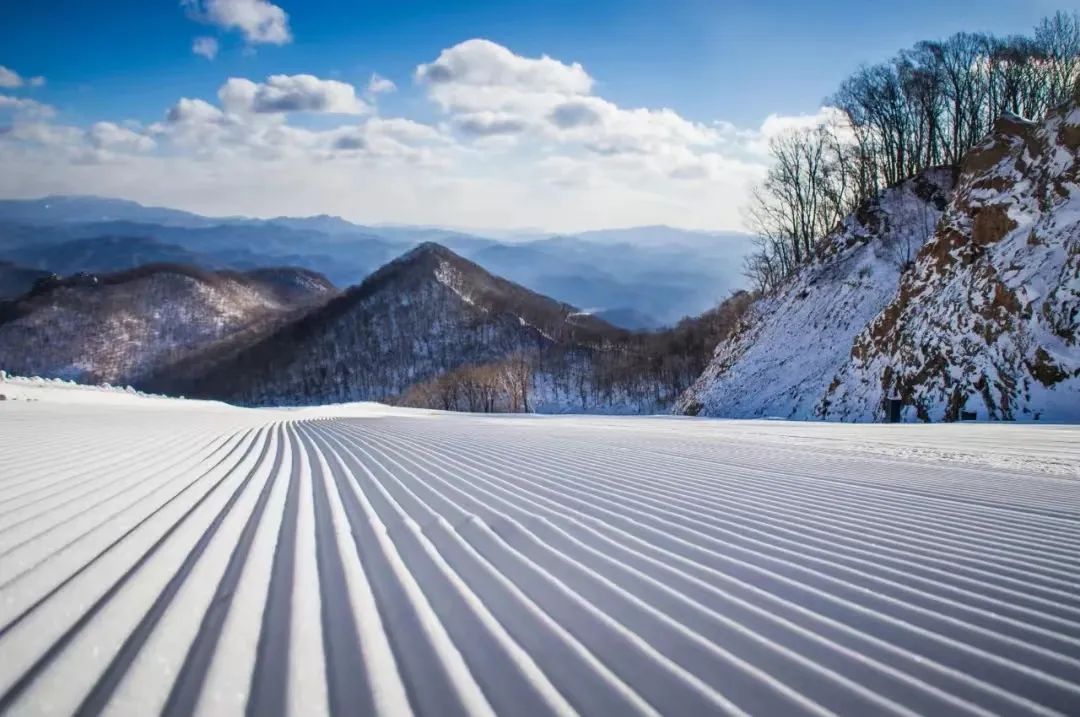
[[10, 79], [25, 107], [205, 46], [486, 124], [484, 64], [291, 93], [776, 125], [261, 22], [233, 134], [518, 142], [188, 110], [44, 134], [378, 85], [486, 89], [111, 136]]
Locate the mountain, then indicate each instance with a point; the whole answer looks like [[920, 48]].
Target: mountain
[[661, 235], [781, 358], [988, 320], [658, 283], [655, 276], [16, 280], [102, 254], [125, 327], [425, 313], [630, 319], [63, 209], [323, 223], [958, 290]]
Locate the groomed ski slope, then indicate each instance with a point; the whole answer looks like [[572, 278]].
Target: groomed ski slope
[[164, 556]]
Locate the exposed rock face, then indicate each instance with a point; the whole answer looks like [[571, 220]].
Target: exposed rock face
[[987, 321], [984, 320], [780, 359]]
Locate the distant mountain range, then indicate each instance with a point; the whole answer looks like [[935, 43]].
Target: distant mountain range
[[275, 336], [643, 277], [952, 293]]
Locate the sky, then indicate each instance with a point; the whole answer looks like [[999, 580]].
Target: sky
[[547, 115]]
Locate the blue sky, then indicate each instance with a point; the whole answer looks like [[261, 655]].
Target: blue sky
[[127, 62]]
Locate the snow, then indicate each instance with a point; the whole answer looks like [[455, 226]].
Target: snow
[[981, 317], [168, 556], [999, 319], [792, 342]]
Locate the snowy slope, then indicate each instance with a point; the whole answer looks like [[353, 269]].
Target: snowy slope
[[163, 556], [989, 319], [787, 349], [125, 327]]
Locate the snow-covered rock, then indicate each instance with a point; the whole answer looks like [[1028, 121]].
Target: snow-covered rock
[[781, 358], [985, 318], [987, 321]]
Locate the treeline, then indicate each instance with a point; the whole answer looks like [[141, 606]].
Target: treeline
[[498, 387], [641, 372], [925, 107]]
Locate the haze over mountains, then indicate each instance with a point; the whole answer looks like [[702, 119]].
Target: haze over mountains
[[955, 290], [638, 278]]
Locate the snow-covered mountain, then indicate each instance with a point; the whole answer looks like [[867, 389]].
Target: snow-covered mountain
[[988, 320], [781, 358], [128, 326], [948, 298], [645, 276], [428, 312]]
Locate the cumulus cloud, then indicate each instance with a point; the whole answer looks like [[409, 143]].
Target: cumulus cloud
[[777, 125], [378, 85], [488, 90], [205, 46], [25, 107], [226, 135], [485, 64], [260, 21], [111, 136], [188, 110], [406, 130], [290, 93], [575, 113], [487, 124], [10, 79], [518, 141], [44, 133]]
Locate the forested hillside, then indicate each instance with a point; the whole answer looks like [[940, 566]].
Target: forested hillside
[[124, 328], [434, 329], [988, 320], [953, 290]]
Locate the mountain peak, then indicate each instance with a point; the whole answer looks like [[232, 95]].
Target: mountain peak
[[429, 248]]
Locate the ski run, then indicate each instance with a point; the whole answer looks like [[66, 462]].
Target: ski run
[[176, 557]]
